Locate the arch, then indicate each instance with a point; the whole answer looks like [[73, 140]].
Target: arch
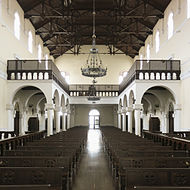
[[125, 101], [62, 100], [17, 25], [56, 98], [94, 112], [170, 25], [23, 86], [94, 119], [131, 98], [163, 86]]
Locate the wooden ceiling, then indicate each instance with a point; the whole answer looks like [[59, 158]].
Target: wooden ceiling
[[121, 25]]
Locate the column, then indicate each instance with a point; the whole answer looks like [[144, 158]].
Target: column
[[124, 120], [177, 117], [130, 118], [137, 108], [63, 119], [42, 121], [68, 119], [166, 124], [50, 109], [21, 124], [10, 116], [57, 118], [119, 119]]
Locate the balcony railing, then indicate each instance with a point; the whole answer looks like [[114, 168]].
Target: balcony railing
[[152, 70], [35, 70], [101, 90]]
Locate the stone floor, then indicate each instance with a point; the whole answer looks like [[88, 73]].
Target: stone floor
[[93, 173]]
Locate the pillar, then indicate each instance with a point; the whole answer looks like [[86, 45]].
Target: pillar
[[119, 119], [137, 108], [177, 117], [64, 119], [21, 124], [166, 123], [124, 120], [57, 118], [42, 122], [10, 117], [50, 109], [130, 118], [68, 119]]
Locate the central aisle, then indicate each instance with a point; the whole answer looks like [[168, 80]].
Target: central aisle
[[93, 172]]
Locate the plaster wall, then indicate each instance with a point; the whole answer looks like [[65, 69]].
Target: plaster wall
[[106, 114]]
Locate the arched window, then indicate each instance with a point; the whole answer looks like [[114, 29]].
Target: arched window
[[39, 53], [148, 52], [188, 8], [170, 25], [30, 42], [157, 40], [141, 61], [46, 61], [17, 26]]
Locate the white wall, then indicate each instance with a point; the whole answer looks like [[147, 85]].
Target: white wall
[[115, 64], [177, 47], [10, 47], [106, 114]]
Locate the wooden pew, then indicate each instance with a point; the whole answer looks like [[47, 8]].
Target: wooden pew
[[33, 176], [160, 188], [28, 187], [156, 177]]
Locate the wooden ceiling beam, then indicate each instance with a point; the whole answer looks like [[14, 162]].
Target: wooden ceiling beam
[[33, 5]]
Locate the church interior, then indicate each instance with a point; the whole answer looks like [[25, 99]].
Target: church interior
[[94, 94]]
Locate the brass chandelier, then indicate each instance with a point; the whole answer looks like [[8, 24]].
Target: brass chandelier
[[93, 67]]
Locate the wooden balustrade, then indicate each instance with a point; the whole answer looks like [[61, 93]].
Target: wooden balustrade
[[165, 140], [13, 143]]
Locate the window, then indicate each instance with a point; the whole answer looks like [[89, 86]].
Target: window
[[39, 53], [170, 25], [17, 26], [188, 8], [141, 62], [148, 52], [46, 61], [30, 41], [157, 39]]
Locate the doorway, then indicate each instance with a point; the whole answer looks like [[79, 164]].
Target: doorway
[[94, 119]]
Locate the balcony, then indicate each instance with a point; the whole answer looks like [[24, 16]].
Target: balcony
[[101, 90], [35, 70], [152, 70]]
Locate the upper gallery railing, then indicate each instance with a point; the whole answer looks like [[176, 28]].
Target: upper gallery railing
[[101, 90], [152, 70], [35, 70]]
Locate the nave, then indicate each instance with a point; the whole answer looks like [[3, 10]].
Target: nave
[[93, 171], [105, 159]]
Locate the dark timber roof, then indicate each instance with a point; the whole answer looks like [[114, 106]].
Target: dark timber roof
[[120, 24]]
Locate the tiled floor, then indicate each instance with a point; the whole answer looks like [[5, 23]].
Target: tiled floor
[[93, 173]]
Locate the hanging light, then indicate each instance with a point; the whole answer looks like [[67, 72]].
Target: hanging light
[[94, 67]]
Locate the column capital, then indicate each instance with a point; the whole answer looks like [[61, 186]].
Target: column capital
[[49, 106], [177, 106], [129, 109], [119, 111], [58, 108], [137, 106], [123, 111], [9, 107]]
